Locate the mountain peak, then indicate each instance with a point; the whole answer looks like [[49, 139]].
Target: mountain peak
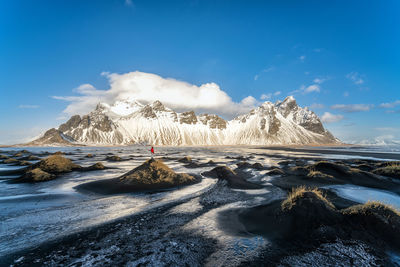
[[125, 107], [158, 106], [287, 106], [289, 99]]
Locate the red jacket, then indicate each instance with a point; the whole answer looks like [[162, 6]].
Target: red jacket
[[152, 150]]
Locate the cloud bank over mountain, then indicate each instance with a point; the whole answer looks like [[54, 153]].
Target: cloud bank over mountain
[[148, 87]]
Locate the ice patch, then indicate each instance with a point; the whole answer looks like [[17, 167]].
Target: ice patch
[[363, 194]]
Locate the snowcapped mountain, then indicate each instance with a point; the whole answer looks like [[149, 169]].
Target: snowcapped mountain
[[130, 122]]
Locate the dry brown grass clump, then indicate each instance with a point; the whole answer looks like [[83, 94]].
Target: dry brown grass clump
[[57, 164], [185, 159], [37, 175], [392, 169], [372, 207], [317, 174], [155, 172], [10, 160], [303, 192]]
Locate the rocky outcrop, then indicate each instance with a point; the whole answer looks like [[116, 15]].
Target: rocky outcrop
[[53, 137], [213, 121], [188, 117]]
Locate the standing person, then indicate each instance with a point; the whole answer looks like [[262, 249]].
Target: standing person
[[152, 151]]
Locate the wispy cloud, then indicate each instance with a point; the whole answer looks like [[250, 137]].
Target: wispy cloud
[[390, 105], [346, 94], [330, 118], [319, 80], [355, 77], [266, 96], [28, 106], [269, 69], [307, 89], [302, 58], [353, 107], [269, 95], [312, 88]]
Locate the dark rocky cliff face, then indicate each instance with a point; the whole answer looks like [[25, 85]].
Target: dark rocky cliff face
[[213, 121], [188, 117], [53, 136]]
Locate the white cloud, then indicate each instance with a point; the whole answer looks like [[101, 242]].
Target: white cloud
[[317, 106], [256, 77], [346, 94], [352, 107], [305, 90], [28, 106], [147, 87], [319, 80], [355, 77], [329, 117], [312, 88], [265, 96], [269, 95], [390, 105], [302, 58]]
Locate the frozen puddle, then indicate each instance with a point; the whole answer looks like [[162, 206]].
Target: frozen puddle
[[363, 194]]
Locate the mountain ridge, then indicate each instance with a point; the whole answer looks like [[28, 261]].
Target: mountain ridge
[[128, 122]]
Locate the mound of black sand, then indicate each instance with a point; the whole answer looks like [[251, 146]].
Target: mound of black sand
[[30, 158], [276, 171], [308, 217], [57, 164], [246, 165], [10, 161], [341, 172], [151, 175], [377, 218], [36, 175], [51, 167], [233, 179], [95, 167], [113, 158], [185, 159], [391, 169]]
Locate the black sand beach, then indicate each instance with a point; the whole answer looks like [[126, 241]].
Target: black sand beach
[[215, 221]]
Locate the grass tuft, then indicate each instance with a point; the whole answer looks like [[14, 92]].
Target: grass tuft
[[299, 192]]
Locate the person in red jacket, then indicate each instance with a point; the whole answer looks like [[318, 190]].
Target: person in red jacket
[[152, 151]]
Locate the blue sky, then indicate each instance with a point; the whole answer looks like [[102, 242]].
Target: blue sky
[[342, 58]]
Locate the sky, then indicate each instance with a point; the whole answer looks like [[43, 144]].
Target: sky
[[340, 58]]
